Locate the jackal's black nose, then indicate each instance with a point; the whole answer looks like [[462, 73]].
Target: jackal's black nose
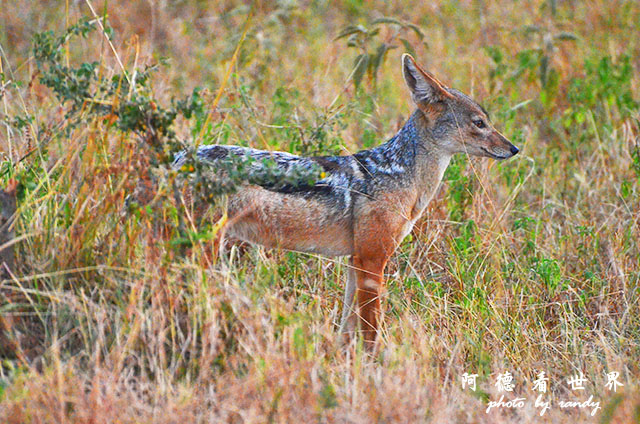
[[514, 150]]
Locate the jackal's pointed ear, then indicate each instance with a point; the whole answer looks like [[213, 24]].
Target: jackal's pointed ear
[[425, 88]]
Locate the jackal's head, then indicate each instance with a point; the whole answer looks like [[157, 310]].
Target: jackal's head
[[456, 123]]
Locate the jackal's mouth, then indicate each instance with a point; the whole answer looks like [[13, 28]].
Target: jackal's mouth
[[494, 156]]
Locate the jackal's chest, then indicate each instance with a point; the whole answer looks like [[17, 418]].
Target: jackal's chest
[[416, 211], [422, 199]]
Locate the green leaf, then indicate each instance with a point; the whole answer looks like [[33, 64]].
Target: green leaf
[[544, 68], [353, 40], [361, 63], [378, 57], [566, 36], [408, 47], [494, 53], [387, 20], [417, 30], [349, 30], [528, 29]]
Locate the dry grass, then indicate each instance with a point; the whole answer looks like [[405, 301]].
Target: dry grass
[[528, 265]]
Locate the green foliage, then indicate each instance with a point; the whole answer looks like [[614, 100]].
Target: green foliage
[[134, 109], [635, 160], [309, 136], [534, 63], [549, 272], [464, 243], [606, 84], [88, 94], [372, 50], [461, 188], [462, 263]]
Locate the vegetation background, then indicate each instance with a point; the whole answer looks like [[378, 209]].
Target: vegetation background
[[118, 312]]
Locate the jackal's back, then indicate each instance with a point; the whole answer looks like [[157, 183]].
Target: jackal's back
[[305, 217]]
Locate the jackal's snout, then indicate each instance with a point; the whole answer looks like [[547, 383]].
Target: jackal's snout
[[500, 147]]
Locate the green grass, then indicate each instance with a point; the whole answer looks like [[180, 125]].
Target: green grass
[[121, 313]]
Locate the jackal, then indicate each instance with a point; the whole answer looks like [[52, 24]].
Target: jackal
[[365, 203]]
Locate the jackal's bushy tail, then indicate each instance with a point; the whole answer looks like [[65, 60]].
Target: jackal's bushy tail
[[278, 171]]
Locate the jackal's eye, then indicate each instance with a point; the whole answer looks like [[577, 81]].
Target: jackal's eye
[[479, 123]]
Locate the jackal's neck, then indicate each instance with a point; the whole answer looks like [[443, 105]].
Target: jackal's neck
[[398, 155], [412, 155]]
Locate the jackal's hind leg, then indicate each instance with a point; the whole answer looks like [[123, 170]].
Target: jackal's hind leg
[[348, 321]]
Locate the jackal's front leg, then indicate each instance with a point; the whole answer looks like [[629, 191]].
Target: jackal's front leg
[[370, 285], [376, 233]]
